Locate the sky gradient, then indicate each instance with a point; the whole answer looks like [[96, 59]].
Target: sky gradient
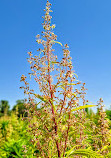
[[84, 25]]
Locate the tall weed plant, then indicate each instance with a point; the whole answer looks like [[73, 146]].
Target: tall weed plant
[[57, 118]]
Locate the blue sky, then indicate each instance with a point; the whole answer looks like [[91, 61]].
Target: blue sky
[[86, 27]]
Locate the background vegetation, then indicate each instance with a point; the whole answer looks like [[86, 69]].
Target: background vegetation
[[16, 140]]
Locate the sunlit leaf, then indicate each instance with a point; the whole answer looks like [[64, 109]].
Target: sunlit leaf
[[57, 42], [84, 152], [83, 107]]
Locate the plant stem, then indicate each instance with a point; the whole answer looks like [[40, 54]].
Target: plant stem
[[51, 94], [66, 137]]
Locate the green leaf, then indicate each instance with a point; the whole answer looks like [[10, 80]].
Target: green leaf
[[84, 152], [57, 42], [41, 98], [71, 150], [71, 84], [75, 75], [54, 62], [83, 107], [61, 86]]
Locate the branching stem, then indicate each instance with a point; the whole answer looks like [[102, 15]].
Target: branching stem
[[51, 94]]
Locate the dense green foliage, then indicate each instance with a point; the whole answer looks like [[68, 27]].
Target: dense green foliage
[[16, 140]]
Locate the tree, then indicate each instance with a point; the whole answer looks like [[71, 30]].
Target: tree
[[19, 107], [108, 113], [4, 107]]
